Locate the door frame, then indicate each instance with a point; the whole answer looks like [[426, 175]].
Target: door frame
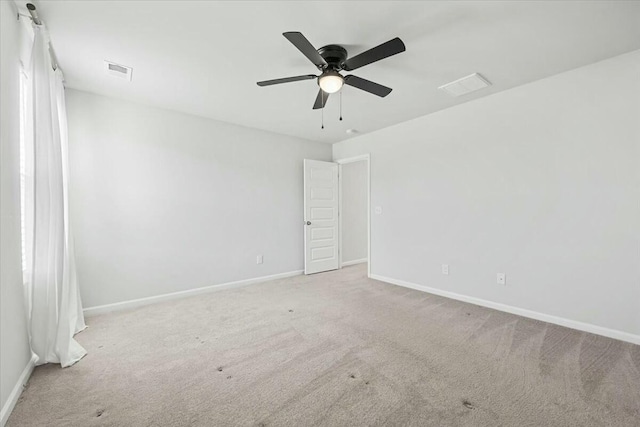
[[344, 161]]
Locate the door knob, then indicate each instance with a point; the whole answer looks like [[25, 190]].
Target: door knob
[[308, 222]]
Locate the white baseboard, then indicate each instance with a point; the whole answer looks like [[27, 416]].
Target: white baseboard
[[17, 391], [124, 305], [573, 324], [354, 262]]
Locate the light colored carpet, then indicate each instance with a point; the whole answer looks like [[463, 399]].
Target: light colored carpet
[[334, 349]]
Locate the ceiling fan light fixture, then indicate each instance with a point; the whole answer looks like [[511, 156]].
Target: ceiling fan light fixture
[[333, 58], [330, 81]]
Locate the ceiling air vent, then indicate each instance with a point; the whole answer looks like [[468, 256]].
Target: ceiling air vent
[[117, 70], [465, 85]]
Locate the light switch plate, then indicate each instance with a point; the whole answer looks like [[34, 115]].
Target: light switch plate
[[259, 259], [445, 269]]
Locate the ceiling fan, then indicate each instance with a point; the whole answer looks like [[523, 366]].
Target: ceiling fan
[[332, 59]]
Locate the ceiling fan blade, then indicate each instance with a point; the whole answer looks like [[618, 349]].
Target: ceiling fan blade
[[367, 86], [321, 100], [286, 80], [385, 50], [305, 47]]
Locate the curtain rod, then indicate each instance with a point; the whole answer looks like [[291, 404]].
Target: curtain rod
[[34, 14]]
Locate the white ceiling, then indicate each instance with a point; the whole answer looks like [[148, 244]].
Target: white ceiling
[[205, 58]]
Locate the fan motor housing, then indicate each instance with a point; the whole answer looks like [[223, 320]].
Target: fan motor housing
[[335, 56]]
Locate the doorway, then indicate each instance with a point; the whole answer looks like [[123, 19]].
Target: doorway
[[337, 214], [354, 211]]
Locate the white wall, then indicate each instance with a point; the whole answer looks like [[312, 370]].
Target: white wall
[[164, 202], [354, 211], [14, 342], [541, 182]]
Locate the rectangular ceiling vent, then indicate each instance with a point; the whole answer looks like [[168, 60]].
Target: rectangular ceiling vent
[[117, 70], [465, 85]]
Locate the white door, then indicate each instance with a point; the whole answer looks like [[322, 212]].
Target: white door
[[320, 216]]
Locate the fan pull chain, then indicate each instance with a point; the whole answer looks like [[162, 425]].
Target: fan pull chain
[[340, 105], [322, 107]]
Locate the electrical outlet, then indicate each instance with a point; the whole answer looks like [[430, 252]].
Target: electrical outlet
[[445, 269], [502, 279], [259, 259], [378, 210]]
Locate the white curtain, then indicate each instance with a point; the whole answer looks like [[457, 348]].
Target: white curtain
[[53, 299]]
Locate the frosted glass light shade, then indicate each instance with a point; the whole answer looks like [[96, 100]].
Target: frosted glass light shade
[[330, 82]]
